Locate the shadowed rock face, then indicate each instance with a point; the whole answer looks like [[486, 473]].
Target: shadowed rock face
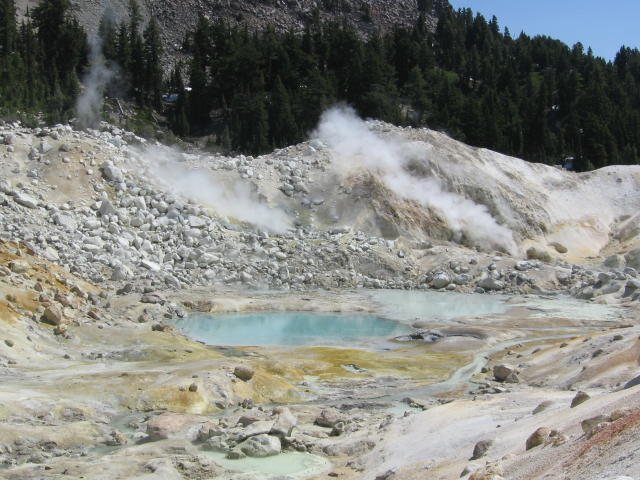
[[633, 383]]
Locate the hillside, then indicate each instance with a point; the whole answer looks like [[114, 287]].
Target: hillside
[[176, 18]]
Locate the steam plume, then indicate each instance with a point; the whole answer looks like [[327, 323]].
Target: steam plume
[[161, 166], [89, 103], [354, 145]]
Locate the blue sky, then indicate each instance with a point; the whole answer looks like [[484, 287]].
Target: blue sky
[[605, 26]]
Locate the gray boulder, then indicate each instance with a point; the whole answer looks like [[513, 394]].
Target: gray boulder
[[65, 221], [121, 272], [261, 446], [112, 172], [107, 208], [615, 261], [440, 280], [481, 448], [490, 283], [328, 418], [505, 373], [580, 397]]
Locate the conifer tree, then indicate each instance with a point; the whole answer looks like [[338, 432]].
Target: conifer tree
[[152, 80]]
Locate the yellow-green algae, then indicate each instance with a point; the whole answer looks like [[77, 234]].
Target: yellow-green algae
[[327, 363]]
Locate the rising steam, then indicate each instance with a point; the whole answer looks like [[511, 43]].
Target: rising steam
[[89, 103], [354, 145], [162, 166]]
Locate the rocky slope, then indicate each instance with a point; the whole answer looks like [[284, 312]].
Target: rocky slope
[[178, 17], [116, 213]]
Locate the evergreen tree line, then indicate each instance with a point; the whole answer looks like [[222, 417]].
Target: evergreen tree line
[[41, 59], [534, 98]]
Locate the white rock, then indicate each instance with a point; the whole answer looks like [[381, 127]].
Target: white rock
[[197, 222], [107, 208], [65, 221], [149, 265], [121, 272], [44, 147], [25, 200], [112, 172], [261, 446]]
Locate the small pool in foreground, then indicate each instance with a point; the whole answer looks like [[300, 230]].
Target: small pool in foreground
[[288, 328]]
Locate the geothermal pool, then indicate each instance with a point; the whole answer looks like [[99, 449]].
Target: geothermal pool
[[411, 305], [289, 328], [396, 311]]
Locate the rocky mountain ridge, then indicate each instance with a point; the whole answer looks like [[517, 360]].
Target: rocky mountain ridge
[[176, 18]]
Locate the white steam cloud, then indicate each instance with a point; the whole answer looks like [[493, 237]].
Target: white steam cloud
[[162, 166], [89, 103], [355, 145]]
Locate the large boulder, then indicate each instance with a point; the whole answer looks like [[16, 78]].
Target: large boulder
[[121, 272], [65, 221], [505, 373], [107, 208], [261, 446], [440, 280], [490, 283], [25, 200], [580, 397], [539, 437], [244, 373], [481, 449], [18, 266], [260, 427], [328, 418], [53, 316], [112, 172]]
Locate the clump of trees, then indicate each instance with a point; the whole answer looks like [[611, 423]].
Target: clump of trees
[[136, 52], [41, 59]]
